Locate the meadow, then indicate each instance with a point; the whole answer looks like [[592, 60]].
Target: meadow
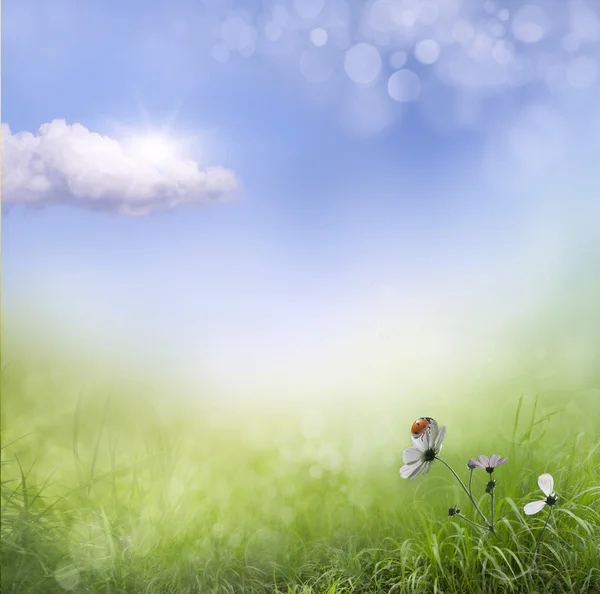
[[113, 485]]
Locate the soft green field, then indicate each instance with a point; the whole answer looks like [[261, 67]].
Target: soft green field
[[107, 487]]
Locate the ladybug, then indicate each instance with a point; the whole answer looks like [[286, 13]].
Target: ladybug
[[421, 425]]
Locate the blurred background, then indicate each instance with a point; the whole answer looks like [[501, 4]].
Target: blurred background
[[247, 243], [418, 215]]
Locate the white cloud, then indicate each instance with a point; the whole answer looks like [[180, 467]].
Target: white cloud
[[68, 164]]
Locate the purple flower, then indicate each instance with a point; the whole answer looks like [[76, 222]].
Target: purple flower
[[487, 464]]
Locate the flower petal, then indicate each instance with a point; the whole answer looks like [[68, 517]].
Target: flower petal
[[546, 483], [427, 439], [437, 446], [502, 460], [433, 424], [411, 455], [419, 443], [425, 468], [534, 507], [472, 463], [406, 470], [411, 471], [485, 461]]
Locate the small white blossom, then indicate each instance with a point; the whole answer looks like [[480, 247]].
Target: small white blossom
[[546, 483], [419, 457]]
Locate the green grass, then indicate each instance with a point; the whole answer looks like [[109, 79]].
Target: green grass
[[105, 491]]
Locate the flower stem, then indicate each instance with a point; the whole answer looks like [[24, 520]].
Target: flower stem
[[539, 539], [471, 522], [471, 481], [492, 494], [466, 491]]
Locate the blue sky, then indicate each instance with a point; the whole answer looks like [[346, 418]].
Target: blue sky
[[365, 231]]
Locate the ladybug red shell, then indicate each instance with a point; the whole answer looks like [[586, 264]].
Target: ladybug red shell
[[421, 426]]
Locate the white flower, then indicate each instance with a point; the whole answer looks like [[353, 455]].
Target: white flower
[[546, 483], [418, 458]]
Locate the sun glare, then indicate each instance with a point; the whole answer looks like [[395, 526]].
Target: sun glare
[[152, 149]]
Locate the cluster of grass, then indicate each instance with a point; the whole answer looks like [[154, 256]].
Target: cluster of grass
[[106, 493]]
